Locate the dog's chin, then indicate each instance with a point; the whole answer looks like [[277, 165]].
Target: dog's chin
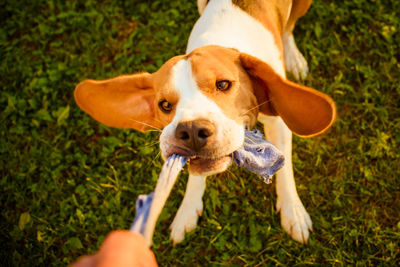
[[209, 166]]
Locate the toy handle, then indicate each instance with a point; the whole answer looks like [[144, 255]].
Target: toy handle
[[143, 205]]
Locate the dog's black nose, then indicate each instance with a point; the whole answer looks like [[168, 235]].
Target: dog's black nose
[[194, 134]]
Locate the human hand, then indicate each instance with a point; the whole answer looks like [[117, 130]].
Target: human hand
[[120, 248]]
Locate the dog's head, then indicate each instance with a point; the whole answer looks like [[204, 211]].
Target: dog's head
[[204, 101]]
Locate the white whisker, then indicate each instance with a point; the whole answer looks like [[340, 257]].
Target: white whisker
[[158, 155], [146, 124], [269, 100], [152, 144]]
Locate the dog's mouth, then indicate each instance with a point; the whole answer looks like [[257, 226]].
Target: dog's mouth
[[202, 166], [214, 157], [205, 163]]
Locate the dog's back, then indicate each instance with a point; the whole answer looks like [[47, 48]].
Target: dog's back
[[261, 28]]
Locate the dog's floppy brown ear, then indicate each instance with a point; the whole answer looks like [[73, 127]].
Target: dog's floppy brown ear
[[305, 111], [122, 102]]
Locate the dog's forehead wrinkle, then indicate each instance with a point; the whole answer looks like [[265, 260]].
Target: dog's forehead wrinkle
[[215, 63], [194, 103]]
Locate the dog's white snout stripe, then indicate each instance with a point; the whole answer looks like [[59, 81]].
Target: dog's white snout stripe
[[193, 104]]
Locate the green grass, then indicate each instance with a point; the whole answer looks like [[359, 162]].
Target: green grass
[[66, 181]]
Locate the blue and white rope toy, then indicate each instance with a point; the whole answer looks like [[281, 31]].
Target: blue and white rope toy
[[256, 155]]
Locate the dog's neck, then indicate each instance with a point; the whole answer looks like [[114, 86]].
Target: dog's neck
[[225, 24]]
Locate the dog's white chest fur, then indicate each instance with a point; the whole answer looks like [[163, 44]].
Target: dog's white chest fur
[[225, 24]]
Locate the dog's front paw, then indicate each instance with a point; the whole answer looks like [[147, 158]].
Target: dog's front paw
[[185, 220], [295, 62], [295, 219]]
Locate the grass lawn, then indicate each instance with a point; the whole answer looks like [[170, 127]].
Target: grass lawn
[[66, 181]]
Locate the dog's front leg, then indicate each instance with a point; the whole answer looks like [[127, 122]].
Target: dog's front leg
[[190, 209], [294, 218]]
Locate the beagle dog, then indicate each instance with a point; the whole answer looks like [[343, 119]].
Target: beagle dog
[[233, 74]]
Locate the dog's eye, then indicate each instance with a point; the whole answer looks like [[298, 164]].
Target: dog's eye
[[165, 106], [223, 85]]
